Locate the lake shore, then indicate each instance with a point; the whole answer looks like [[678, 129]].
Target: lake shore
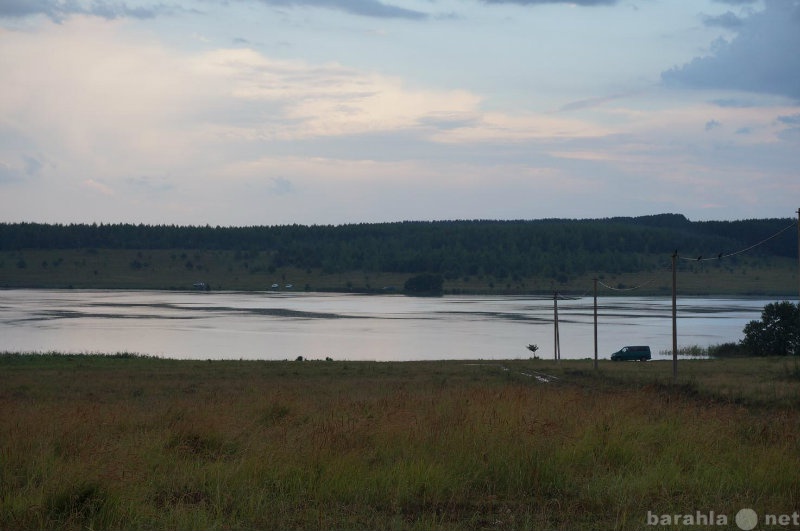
[[133, 442], [177, 269]]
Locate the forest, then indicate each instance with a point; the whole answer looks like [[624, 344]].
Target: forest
[[506, 251]]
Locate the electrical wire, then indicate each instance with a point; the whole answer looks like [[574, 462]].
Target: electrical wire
[[720, 256], [698, 259], [643, 284], [662, 269]]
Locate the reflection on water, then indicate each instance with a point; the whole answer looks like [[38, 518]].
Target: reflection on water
[[236, 325]]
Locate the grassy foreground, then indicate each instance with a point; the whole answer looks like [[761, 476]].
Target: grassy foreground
[[125, 442]]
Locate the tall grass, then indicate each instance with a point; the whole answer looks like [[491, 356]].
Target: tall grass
[[722, 350], [695, 351], [141, 443]]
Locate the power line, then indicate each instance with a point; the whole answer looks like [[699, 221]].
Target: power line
[[639, 286], [673, 267], [666, 268], [643, 284], [720, 256]]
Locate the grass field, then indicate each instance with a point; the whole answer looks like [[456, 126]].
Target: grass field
[[127, 442], [232, 270]]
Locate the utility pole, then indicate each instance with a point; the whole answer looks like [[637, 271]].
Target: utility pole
[[674, 317], [595, 321], [798, 256], [557, 346]]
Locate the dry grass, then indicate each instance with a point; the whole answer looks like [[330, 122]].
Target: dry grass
[[91, 442]]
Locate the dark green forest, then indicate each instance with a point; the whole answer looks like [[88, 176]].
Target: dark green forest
[[551, 247]]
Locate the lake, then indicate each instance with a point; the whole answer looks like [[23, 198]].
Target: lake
[[275, 326]]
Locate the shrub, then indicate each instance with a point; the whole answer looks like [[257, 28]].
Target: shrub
[[425, 284], [727, 350], [777, 333]]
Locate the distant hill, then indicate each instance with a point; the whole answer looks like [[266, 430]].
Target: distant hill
[[464, 252]]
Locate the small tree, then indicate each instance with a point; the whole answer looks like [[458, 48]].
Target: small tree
[[425, 284], [777, 333], [533, 349]]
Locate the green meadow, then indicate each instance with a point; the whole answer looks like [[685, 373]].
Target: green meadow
[[130, 442], [179, 269]]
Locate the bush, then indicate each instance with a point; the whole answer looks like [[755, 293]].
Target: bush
[[425, 284], [727, 350], [777, 333]]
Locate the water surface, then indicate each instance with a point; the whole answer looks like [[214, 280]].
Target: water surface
[[266, 325]]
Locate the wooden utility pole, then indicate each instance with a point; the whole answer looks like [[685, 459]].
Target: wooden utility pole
[[595, 323], [798, 256], [674, 316], [557, 346]]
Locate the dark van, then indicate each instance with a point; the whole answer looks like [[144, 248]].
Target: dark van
[[640, 353]]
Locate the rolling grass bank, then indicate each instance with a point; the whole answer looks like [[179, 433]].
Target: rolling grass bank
[[232, 270], [128, 442]]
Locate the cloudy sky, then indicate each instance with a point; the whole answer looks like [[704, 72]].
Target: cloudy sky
[[263, 112]]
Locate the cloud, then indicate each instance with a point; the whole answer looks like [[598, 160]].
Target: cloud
[[442, 121], [87, 98], [281, 186], [591, 102], [101, 118], [150, 185], [587, 3], [23, 8], [125, 108], [58, 11], [97, 186], [8, 173], [726, 20], [793, 119], [135, 121], [521, 127], [25, 168], [33, 166], [713, 124], [366, 8], [734, 103], [761, 58], [791, 133], [292, 100], [110, 10]]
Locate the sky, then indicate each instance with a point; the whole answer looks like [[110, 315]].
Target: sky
[[273, 112]]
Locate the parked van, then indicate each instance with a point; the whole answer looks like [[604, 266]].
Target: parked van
[[640, 353]]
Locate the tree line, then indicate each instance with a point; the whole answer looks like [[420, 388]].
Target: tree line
[[558, 248]]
